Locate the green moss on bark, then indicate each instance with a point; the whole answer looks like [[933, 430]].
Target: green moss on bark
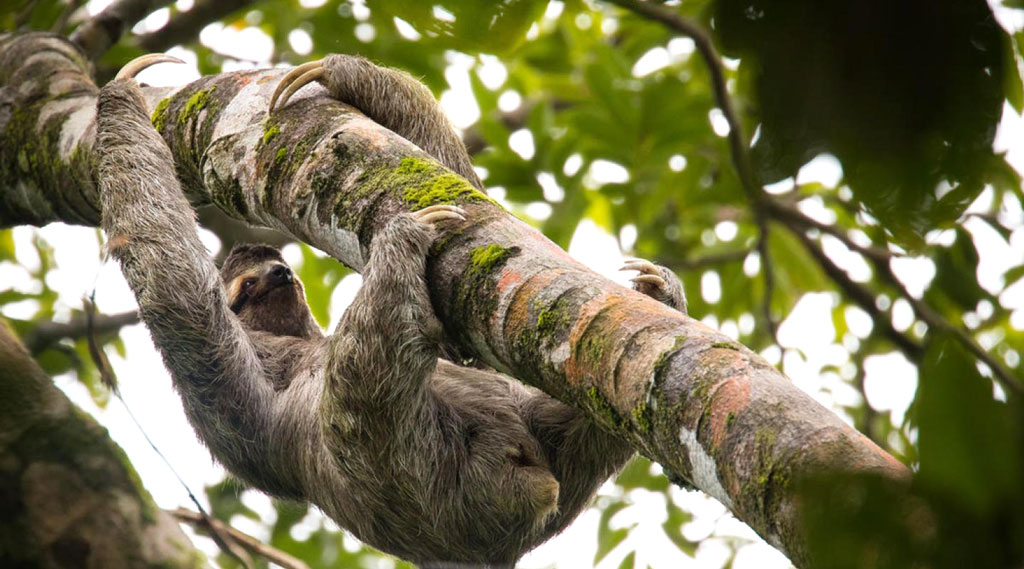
[[195, 104], [159, 116]]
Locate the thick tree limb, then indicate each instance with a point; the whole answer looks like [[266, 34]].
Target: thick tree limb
[[69, 497], [706, 408]]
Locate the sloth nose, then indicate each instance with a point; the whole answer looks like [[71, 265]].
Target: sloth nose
[[280, 274]]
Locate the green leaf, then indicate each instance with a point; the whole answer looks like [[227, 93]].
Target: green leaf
[[225, 499], [970, 445], [1012, 85], [673, 527], [907, 105], [637, 474], [492, 27], [607, 538], [6, 245], [956, 269]]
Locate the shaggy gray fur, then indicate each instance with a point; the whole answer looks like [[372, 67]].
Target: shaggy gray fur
[[419, 457], [400, 103]]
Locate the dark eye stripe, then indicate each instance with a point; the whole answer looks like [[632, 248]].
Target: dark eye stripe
[[242, 295]]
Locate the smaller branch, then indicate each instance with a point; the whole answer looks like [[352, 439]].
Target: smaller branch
[[936, 321], [710, 260], [231, 231], [788, 213], [45, 334], [249, 543], [702, 41], [870, 415], [99, 357], [185, 26], [769, 278], [103, 30], [22, 18], [62, 21], [863, 297]]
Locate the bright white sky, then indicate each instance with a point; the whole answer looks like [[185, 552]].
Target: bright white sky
[[807, 336]]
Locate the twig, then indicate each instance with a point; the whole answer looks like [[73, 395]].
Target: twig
[[702, 42], [929, 316], [22, 18], [99, 357], [184, 27], [103, 30], [710, 260], [249, 543], [45, 334], [737, 140], [231, 231], [936, 321], [785, 212], [863, 297], [62, 21], [769, 278]]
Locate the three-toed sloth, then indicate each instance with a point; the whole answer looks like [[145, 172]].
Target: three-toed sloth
[[415, 455]]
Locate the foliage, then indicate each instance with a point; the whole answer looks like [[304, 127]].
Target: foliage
[[906, 97]]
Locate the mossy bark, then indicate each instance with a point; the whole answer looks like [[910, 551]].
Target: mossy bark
[[706, 408], [70, 498]]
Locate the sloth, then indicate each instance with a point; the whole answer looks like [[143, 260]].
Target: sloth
[[434, 462]]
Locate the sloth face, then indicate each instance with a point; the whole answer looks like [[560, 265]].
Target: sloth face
[[264, 293]]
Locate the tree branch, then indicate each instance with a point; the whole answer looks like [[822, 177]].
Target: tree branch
[[45, 334], [710, 260], [57, 491], [249, 543], [789, 214], [769, 277], [863, 297], [880, 262], [103, 30], [1011, 383], [184, 27], [231, 231], [702, 41]]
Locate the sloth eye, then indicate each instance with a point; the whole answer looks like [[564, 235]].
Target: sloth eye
[[247, 285]]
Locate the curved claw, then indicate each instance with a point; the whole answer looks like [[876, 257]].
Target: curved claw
[[295, 80], [650, 279], [436, 213], [133, 67], [440, 216], [641, 265]]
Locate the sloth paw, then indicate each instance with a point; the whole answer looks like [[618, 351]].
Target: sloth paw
[[657, 282]]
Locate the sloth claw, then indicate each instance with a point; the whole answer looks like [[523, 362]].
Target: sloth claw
[[649, 279], [649, 273], [437, 213], [133, 67], [295, 80]]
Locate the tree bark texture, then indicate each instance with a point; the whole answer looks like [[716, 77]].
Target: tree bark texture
[[68, 497], [706, 408]]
